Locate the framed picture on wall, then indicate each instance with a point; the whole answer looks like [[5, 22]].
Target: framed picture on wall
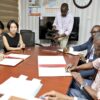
[[34, 7], [34, 3], [52, 4]]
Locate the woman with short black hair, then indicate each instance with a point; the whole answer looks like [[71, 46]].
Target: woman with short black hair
[[13, 40]]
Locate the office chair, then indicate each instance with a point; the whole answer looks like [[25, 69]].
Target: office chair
[[29, 38], [75, 31]]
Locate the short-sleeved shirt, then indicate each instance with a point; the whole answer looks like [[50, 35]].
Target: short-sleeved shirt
[[96, 83], [12, 41]]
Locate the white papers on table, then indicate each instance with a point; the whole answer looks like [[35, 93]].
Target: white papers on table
[[56, 71], [10, 62], [8, 97], [21, 56], [13, 59], [51, 60], [20, 87], [52, 66], [71, 52]]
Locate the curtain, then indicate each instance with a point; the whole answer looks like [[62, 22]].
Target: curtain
[[8, 11]]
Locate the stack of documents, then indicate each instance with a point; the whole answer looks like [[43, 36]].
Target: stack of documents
[[20, 87], [52, 66], [71, 52], [13, 59]]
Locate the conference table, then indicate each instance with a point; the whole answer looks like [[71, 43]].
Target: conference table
[[29, 67]]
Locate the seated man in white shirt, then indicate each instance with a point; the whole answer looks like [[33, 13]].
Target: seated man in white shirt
[[63, 23]]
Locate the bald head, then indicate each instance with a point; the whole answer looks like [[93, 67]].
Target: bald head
[[64, 9]]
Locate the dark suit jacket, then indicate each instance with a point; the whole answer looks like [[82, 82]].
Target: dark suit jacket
[[86, 46]]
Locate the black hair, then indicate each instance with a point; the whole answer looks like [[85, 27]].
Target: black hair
[[1, 25], [96, 26], [10, 22], [64, 6]]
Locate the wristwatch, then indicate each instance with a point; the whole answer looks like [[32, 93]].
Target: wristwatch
[[83, 85]]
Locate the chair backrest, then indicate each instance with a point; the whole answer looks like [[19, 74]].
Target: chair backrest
[[28, 37], [75, 31]]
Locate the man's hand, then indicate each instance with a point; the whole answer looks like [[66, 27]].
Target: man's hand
[[53, 95], [54, 28], [65, 50], [77, 77], [56, 36], [71, 68], [82, 57]]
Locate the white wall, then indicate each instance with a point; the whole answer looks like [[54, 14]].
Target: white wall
[[88, 17]]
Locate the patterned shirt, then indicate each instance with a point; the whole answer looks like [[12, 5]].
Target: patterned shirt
[[96, 83]]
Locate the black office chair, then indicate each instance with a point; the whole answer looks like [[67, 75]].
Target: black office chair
[[75, 31], [29, 38]]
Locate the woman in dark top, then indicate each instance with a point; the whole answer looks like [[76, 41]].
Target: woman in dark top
[[1, 40], [13, 40]]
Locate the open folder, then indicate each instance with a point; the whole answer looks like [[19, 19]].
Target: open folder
[[10, 61], [51, 66], [13, 59], [21, 56]]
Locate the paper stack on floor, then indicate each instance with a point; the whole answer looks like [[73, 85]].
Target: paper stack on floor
[[52, 66]]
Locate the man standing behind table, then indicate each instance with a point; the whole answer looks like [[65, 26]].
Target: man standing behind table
[[63, 23]]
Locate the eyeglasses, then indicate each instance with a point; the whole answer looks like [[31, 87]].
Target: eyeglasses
[[94, 31]]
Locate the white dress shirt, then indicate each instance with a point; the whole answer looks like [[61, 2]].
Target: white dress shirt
[[64, 25]]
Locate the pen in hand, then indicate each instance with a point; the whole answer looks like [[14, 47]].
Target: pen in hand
[[42, 97], [67, 69], [46, 97]]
